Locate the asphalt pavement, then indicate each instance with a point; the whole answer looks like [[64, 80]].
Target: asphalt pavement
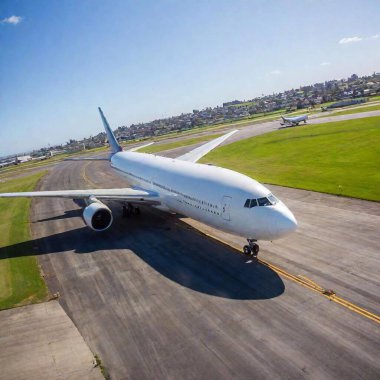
[[157, 299]]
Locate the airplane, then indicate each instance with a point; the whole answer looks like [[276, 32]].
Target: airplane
[[219, 197], [293, 121]]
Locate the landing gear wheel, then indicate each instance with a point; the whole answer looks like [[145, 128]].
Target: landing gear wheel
[[125, 212], [129, 209], [252, 248], [247, 250], [135, 211], [255, 249]]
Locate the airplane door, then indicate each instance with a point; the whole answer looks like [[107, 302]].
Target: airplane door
[[226, 202]]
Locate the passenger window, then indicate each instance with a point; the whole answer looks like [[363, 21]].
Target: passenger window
[[253, 203]]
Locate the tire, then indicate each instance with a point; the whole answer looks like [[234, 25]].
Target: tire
[[255, 249], [135, 211], [247, 250]]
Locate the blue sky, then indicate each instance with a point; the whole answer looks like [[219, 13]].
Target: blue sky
[[141, 60]]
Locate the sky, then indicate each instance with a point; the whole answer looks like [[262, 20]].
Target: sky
[[143, 60]]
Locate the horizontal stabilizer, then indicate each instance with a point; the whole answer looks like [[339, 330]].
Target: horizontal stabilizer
[[197, 153], [134, 149]]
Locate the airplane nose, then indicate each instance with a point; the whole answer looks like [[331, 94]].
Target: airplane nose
[[285, 222]]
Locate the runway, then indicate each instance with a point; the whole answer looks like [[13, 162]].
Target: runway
[[154, 298]]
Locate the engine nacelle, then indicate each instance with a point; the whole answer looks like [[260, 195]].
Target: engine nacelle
[[98, 216]]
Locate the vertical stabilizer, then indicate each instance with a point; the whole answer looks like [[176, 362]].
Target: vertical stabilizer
[[115, 147]]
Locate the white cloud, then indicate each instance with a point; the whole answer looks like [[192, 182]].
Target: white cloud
[[275, 72], [374, 37], [325, 63], [348, 40], [11, 20]]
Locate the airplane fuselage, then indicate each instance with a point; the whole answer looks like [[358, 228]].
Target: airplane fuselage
[[210, 194], [295, 120]]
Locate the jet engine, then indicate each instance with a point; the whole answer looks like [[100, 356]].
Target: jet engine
[[97, 216]]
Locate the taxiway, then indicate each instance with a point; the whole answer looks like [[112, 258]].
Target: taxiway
[[155, 298]]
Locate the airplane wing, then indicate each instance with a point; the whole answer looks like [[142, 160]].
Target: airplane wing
[[123, 194], [86, 159], [134, 149], [197, 153]]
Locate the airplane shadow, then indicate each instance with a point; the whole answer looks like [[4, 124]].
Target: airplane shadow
[[66, 215], [170, 247]]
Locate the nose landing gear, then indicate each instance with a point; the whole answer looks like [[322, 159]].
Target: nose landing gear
[[252, 249]]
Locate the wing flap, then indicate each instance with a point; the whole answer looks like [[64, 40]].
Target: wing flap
[[197, 153]]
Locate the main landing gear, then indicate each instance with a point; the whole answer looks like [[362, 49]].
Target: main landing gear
[[252, 249], [129, 209]]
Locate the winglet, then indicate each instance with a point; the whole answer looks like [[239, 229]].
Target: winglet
[[115, 147]]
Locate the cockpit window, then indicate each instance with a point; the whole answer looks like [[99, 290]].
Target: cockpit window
[[264, 202], [249, 203], [272, 199]]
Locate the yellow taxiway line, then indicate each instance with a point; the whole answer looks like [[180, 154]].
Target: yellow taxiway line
[[84, 175], [302, 280], [307, 283]]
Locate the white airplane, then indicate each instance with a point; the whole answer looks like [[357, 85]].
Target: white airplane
[[292, 121], [218, 197]]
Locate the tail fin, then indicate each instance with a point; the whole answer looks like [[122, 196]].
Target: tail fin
[[115, 147]]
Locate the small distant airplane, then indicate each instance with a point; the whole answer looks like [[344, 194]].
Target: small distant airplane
[[218, 197], [293, 121]]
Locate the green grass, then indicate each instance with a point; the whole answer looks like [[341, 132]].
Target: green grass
[[176, 144], [338, 158], [20, 280], [355, 110]]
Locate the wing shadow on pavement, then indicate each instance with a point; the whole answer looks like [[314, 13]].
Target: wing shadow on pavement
[[166, 244]]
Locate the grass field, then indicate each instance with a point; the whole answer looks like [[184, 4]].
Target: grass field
[[20, 280], [176, 144], [355, 110], [339, 158]]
